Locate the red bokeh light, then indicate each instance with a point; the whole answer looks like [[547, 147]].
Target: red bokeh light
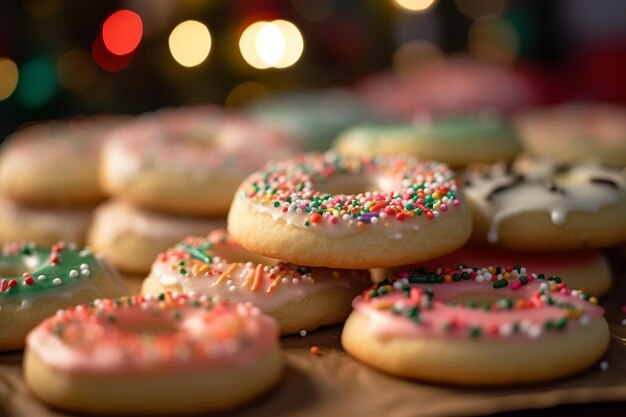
[[122, 32], [108, 60]]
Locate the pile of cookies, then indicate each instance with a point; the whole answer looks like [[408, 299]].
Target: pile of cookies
[[440, 275]]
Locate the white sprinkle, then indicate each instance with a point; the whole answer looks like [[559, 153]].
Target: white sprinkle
[[534, 331], [41, 277], [285, 280], [604, 366], [84, 266], [295, 281], [397, 285], [302, 332], [85, 272], [479, 279], [487, 276], [382, 215], [506, 329], [374, 220], [232, 288], [85, 252], [73, 273], [584, 320], [57, 281]]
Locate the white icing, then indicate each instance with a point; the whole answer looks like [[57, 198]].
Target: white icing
[[579, 193]]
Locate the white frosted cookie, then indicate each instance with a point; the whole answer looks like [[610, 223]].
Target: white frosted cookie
[[540, 204], [350, 212]]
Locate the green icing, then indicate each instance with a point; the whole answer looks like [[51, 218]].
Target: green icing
[[36, 260], [450, 128]]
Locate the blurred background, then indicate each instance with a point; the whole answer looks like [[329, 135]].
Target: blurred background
[[65, 57]]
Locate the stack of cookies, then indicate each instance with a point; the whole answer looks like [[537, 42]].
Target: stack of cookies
[[172, 173], [48, 180], [302, 234]]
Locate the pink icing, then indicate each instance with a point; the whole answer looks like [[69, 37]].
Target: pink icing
[[439, 318], [138, 334]]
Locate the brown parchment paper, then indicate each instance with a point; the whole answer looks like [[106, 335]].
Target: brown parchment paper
[[333, 384]]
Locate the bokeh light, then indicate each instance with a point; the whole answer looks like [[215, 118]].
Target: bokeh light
[[37, 83], [494, 40], [415, 5], [106, 59], [294, 43], [481, 9], [246, 92], [122, 32], [277, 44], [190, 43], [9, 76], [75, 70]]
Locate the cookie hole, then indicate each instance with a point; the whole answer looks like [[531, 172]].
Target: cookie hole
[[355, 184]]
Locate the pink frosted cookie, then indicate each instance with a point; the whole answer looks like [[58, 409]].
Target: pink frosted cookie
[[350, 212], [160, 355], [585, 269], [298, 297], [476, 326], [187, 160]]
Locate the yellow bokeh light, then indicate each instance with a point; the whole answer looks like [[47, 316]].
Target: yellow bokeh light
[[415, 5], [276, 44], [190, 43], [247, 46], [270, 44], [9, 76], [294, 43]]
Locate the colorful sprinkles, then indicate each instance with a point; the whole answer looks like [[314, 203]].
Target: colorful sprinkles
[[411, 293], [422, 189], [149, 328], [61, 264]]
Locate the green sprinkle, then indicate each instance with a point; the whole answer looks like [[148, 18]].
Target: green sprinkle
[[555, 279], [161, 296], [307, 223], [561, 323], [456, 277], [501, 283], [475, 332]]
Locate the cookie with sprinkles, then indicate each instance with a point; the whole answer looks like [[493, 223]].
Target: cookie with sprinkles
[[538, 203], [476, 326], [163, 355], [350, 212], [37, 281], [298, 297]]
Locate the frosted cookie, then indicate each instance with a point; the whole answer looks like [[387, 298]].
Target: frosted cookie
[[298, 297], [55, 163], [42, 225], [456, 141], [131, 237], [350, 212], [576, 131], [476, 326], [36, 281], [162, 355], [539, 204], [186, 160], [585, 269]]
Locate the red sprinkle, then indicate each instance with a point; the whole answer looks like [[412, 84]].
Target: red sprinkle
[[316, 218], [315, 351], [12, 283], [29, 280]]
